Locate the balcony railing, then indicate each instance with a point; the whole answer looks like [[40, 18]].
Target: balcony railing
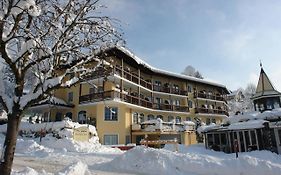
[[133, 77], [211, 111], [169, 90], [108, 95], [208, 96]]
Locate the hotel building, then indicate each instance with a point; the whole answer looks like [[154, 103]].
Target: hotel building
[[125, 99]]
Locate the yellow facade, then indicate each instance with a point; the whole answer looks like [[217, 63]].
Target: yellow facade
[[134, 89]]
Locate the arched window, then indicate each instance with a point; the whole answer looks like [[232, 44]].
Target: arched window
[[69, 115], [178, 119], [160, 116], [150, 117], [170, 118], [214, 120], [82, 117]]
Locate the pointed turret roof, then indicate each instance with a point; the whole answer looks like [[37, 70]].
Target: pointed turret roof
[[265, 87]]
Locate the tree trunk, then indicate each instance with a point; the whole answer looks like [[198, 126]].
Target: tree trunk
[[9, 146]]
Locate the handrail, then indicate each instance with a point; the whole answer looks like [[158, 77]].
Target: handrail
[[208, 96], [100, 96]]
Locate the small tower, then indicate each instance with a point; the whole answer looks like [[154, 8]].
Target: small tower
[[266, 97]]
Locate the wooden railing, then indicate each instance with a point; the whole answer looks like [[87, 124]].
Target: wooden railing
[[211, 111], [133, 77], [208, 96], [108, 95]]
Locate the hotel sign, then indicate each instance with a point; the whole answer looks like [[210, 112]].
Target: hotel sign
[[81, 134]]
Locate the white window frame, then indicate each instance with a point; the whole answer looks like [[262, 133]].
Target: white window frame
[[112, 134]]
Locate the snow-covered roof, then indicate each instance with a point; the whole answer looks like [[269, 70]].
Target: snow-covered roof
[[251, 124], [266, 115], [164, 72]]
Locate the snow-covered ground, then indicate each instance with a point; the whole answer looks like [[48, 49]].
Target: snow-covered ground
[[65, 156]]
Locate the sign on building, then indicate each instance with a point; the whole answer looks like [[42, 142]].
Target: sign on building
[[81, 134]]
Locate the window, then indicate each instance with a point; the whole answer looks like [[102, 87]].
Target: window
[[82, 117], [214, 120], [189, 88], [70, 97], [110, 139], [190, 105], [188, 119], [58, 116], [141, 118], [178, 119], [128, 139], [68, 115], [110, 114], [176, 102], [135, 117], [160, 116], [46, 117], [170, 118], [208, 121], [150, 117], [176, 88], [157, 83], [92, 90]]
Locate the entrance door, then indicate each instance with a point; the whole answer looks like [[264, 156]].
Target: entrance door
[[277, 132]]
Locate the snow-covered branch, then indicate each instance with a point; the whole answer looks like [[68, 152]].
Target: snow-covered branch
[[42, 42]]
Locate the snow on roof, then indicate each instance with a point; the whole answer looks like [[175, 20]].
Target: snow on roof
[[266, 115], [206, 128], [156, 70], [251, 124]]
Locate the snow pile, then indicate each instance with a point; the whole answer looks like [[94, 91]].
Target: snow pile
[[196, 160], [29, 171], [78, 168], [59, 137], [26, 127]]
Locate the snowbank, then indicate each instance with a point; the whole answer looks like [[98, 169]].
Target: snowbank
[[78, 168], [50, 126], [196, 160], [59, 138]]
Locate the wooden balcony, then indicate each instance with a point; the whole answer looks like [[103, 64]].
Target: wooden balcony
[[133, 77], [209, 96], [109, 95], [169, 90], [211, 111]]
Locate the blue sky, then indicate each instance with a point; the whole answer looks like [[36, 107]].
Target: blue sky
[[223, 39]]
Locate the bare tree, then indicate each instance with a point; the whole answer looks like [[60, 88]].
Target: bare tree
[[41, 43], [191, 71]]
